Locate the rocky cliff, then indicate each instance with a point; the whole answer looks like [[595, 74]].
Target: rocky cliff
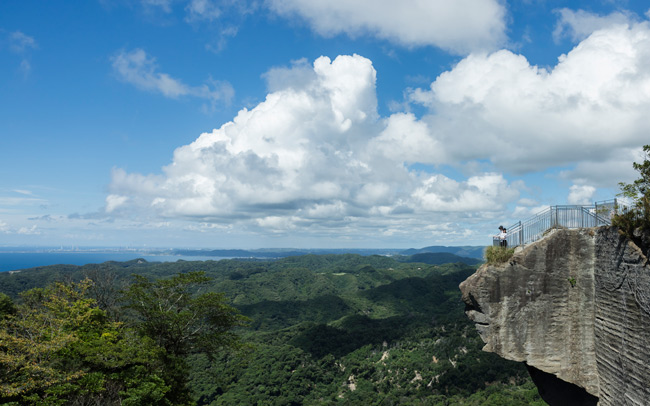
[[575, 307]]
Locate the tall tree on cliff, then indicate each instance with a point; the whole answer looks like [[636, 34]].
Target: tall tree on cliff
[[635, 222]]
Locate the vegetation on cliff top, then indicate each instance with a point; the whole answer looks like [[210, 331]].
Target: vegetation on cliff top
[[498, 255], [635, 222]]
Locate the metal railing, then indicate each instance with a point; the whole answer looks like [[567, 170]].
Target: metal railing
[[561, 216]]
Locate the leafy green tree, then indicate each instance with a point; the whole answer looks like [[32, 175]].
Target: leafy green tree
[[183, 321], [32, 338], [7, 306], [105, 289], [180, 318], [57, 347], [640, 188], [635, 222]]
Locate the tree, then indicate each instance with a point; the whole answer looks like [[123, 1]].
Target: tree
[[57, 347], [7, 306], [105, 289], [182, 320], [635, 222], [640, 188], [31, 339]]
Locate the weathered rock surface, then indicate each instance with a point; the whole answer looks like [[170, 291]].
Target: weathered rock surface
[[575, 307]]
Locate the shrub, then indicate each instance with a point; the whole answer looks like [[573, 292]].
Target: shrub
[[498, 255]]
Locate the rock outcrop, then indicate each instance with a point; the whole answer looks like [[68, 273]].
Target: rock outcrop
[[575, 307]]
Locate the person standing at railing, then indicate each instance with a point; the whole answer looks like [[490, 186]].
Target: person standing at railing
[[503, 242]]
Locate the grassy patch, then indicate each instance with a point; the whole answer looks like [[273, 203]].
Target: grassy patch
[[498, 255]]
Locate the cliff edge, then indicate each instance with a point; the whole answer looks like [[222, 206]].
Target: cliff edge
[[575, 307]]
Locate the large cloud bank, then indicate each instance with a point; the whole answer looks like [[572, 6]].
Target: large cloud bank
[[315, 155], [590, 110]]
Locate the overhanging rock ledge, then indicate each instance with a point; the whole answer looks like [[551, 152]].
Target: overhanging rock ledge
[[575, 307]]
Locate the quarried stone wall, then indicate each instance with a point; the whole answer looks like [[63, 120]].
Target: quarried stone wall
[[574, 307]]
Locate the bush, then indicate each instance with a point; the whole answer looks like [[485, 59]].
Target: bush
[[498, 255]]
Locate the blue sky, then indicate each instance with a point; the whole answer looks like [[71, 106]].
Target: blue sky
[[312, 123]]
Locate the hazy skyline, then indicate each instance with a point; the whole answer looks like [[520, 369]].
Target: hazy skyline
[[312, 123]]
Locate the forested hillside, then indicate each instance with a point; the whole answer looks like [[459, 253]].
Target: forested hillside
[[324, 329]]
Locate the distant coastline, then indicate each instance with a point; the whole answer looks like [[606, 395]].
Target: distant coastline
[[12, 261], [17, 258]]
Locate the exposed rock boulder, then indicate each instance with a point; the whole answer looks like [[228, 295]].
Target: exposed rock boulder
[[575, 307]]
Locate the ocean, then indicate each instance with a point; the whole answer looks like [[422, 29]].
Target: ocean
[[10, 261]]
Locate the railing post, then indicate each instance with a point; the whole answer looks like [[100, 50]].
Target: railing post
[[553, 216], [521, 234]]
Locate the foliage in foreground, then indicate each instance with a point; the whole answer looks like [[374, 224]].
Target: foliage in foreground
[[58, 347], [498, 255]]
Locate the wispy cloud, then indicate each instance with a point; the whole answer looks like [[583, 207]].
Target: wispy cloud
[[20, 201], [579, 24], [23, 192], [19, 42], [22, 44], [163, 5], [219, 20], [139, 69], [220, 41], [203, 10]]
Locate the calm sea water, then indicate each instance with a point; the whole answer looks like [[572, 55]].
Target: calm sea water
[[10, 261]]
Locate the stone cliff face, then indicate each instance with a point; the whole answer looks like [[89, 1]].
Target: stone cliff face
[[575, 307]]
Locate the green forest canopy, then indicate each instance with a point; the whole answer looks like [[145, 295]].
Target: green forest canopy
[[321, 329]]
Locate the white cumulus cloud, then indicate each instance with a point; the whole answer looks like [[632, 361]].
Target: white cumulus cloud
[[588, 110], [459, 26], [488, 192], [313, 155], [581, 194]]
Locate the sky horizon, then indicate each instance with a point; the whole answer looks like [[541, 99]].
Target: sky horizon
[[311, 123]]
